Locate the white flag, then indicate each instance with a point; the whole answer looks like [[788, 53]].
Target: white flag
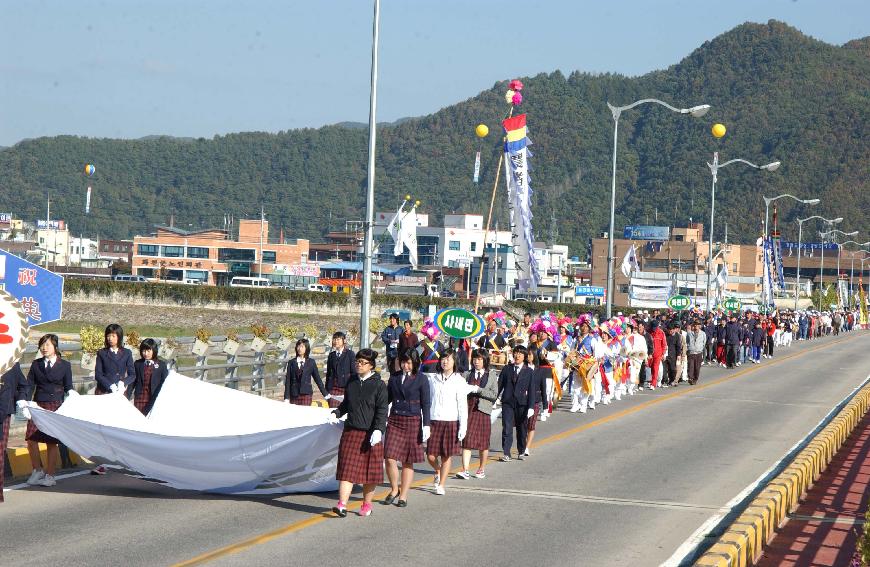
[[722, 278], [629, 263], [408, 235], [395, 231]]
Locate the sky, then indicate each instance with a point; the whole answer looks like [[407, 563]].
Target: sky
[[130, 68]]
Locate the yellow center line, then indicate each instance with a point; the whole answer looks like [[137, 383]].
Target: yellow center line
[[353, 506]]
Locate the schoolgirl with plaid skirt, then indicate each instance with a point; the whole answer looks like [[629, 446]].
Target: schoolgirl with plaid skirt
[[483, 391], [150, 373], [360, 450], [449, 413]]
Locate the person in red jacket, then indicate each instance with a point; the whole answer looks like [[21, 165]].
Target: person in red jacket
[[660, 349]]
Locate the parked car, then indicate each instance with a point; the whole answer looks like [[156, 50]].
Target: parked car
[[129, 278], [317, 287], [447, 293]]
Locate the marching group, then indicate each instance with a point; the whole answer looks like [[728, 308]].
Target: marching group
[[440, 400]]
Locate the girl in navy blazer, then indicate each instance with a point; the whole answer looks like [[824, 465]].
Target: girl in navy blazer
[[300, 371], [114, 370], [49, 378], [408, 391], [150, 373]]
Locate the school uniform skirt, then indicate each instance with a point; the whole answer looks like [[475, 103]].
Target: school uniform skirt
[[358, 461], [479, 431], [404, 439], [34, 434], [302, 400], [4, 440], [532, 421], [335, 391], [442, 439]]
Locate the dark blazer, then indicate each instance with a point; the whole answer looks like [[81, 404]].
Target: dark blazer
[[51, 385], [339, 370], [113, 367], [158, 375], [407, 341], [410, 398], [299, 384], [539, 382], [516, 390], [13, 387]]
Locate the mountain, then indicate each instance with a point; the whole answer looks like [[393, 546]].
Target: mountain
[[781, 94]]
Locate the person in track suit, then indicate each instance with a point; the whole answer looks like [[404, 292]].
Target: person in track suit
[[150, 373], [114, 370], [340, 368], [13, 389], [48, 380], [300, 371], [517, 398]]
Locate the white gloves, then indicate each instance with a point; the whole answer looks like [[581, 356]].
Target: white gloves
[[496, 403], [376, 437], [286, 401], [531, 412], [461, 435], [427, 431], [327, 397], [72, 393], [332, 418], [119, 388], [21, 404], [475, 389], [113, 388]]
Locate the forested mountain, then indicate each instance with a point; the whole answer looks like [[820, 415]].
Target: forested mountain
[[782, 95]]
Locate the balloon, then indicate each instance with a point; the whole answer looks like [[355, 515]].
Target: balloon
[[89, 170], [718, 130], [509, 96], [516, 85], [482, 130], [517, 99]]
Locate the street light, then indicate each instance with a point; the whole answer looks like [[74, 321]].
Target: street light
[[714, 169], [616, 111], [769, 200], [797, 278], [852, 266], [839, 253]]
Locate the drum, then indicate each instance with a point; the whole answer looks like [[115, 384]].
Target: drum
[[498, 358]]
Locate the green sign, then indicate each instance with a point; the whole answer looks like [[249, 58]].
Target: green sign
[[731, 304], [679, 302], [458, 323]]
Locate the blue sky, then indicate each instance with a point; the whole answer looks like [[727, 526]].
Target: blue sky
[[129, 68]]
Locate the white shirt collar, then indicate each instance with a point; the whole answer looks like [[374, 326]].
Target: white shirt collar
[[366, 377], [51, 360]]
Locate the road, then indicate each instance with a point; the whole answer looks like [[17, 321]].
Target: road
[[627, 484]]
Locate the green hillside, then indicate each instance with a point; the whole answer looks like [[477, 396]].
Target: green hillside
[[781, 94]]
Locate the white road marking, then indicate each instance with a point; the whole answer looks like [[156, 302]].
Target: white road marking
[[826, 520], [748, 401]]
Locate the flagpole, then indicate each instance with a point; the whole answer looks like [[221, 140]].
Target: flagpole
[[488, 222], [365, 296]]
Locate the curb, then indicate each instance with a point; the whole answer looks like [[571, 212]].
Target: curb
[[18, 459], [742, 542]]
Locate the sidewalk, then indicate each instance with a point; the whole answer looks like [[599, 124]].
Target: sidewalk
[[839, 501]]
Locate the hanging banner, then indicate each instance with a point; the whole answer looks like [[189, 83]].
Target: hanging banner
[[519, 201], [88, 202], [477, 167]]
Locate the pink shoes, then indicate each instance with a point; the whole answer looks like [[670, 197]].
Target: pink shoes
[[365, 509]]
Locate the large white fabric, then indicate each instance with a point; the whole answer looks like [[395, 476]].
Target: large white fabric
[[201, 436]]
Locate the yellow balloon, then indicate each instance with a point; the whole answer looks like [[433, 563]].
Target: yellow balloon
[[407, 197], [482, 130], [718, 130]]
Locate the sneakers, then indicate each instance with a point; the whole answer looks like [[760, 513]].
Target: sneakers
[[47, 480], [463, 475], [505, 458], [526, 453], [340, 509], [100, 470], [35, 477], [521, 457], [437, 481], [365, 509], [439, 490], [480, 474]]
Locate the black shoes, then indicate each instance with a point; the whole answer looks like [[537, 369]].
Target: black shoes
[[401, 503], [389, 499]]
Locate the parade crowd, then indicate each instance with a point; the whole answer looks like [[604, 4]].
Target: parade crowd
[[438, 399]]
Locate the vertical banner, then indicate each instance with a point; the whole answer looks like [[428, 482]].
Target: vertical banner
[[88, 202], [767, 288], [477, 167], [519, 202]]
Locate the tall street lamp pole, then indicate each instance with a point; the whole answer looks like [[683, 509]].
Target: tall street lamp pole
[[852, 266], [839, 252], [797, 278], [769, 200], [616, 111], [714, 169]]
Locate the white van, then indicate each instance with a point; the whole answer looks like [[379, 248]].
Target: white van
[[241, 281], [129, 278], [317, 287]]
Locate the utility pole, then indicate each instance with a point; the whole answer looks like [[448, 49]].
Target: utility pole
[[262, 223]]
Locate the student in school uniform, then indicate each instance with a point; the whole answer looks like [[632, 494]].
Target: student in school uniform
[[340, 368], [150, 373], [449, 413], [517, 399], [360, 451], [543, 370], [13, 391], [484, 390], [114, 370], [49, 378], [408, 426], [300, 371]]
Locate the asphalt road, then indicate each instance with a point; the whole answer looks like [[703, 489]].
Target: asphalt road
[[627, 484]]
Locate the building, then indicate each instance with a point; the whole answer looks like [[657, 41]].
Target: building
[[212, 256], [116, 250], [84, 251], [53, 241], [675, 261]]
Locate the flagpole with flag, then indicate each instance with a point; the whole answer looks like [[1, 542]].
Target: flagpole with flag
[[629, 262]]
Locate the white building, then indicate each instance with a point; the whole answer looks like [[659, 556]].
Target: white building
[[53, 242], [82, 251]]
